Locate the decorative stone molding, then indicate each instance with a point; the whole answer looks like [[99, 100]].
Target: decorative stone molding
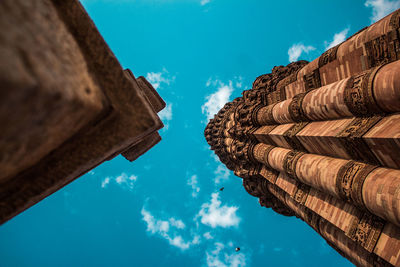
[[359, 97], [328, 56], [295, 108], [350, 179]]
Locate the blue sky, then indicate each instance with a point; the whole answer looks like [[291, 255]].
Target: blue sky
[[165, 208]]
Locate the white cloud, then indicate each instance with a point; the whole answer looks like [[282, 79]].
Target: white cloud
[[166, 114], [194, 184], [296, 50], [158, 79], [105, 182], [204, 2], [177, 223], [169, 230], [381, 8], [337, 39], [218, 258], [208, 236], [218, 99], [123, 180], [213, 214], [221, 173]]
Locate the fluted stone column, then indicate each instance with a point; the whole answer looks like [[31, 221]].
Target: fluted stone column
[[321, 141]]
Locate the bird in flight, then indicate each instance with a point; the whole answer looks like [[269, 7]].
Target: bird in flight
[[222, 189]]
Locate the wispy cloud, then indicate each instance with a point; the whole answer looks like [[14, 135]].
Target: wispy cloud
[[207, 235], [219, 257], [177, 223], [204, 2], [105, 182], [166, 115], [221, 173], [160, 79], [296, 50], [215, 101], [193, 182], [215, 215], [381, 8], [169, 230], [124, 180], [337, 39]]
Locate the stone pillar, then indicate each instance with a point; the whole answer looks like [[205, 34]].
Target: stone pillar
[[367, 186], [370, 92]]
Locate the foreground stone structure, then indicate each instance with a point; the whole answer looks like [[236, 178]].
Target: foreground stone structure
[[66, 104], [321, 141]]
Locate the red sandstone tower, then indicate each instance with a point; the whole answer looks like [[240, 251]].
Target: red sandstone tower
[[321, 141], [66, 104]]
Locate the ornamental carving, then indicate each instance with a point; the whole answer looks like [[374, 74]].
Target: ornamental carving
[[351, 138], [395, 20], [350, 179], [295, 108], [312, 80], [328, 56], [301, 193], [290, 161], [383, 49], [261, 152], [269, 81], [368, 231], [291, 139], [257, 187], [358, 95], [264, 116]]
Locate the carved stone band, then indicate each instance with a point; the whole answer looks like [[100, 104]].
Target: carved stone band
[[290, 162], [264, 116], [260, 153], [328, 56], [350, 179], [358, 95], [295, 108]]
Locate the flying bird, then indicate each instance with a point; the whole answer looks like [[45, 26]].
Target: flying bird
[[237, 249], [222, 189]]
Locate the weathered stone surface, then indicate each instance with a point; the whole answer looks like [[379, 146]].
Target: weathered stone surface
[[47, 92], [66, 104]]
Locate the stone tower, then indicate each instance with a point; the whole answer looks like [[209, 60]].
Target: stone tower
[[66, 104], [321, 141]]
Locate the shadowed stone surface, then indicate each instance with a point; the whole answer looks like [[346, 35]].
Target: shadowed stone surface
[[66, 104]]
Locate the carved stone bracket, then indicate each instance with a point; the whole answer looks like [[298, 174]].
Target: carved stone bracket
[[291, 139], [256, 187], [351, 138]]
